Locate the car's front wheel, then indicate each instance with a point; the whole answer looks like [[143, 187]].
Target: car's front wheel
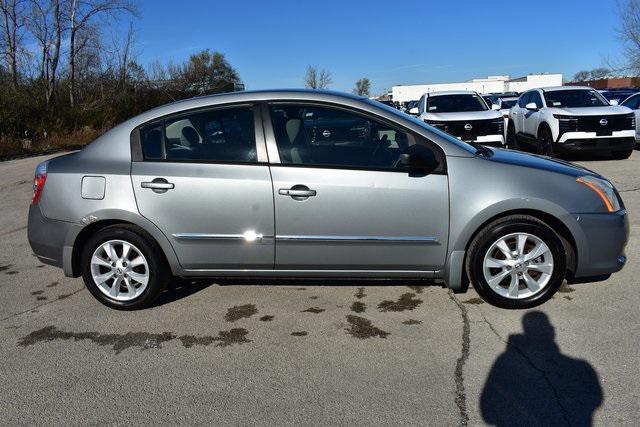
[[516, 262], [545, 142], [124, 268]]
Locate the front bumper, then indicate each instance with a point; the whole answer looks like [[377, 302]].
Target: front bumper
[[598, 144], [601, 244], [51, 240]]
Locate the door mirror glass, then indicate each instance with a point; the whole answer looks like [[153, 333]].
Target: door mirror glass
[[532, 106], [414, 111]]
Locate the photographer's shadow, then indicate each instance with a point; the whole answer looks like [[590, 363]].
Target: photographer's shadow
[[533, 383]]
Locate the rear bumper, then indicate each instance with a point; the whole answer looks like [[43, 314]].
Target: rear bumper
[[597, 144], [51, 240], [604, 237]]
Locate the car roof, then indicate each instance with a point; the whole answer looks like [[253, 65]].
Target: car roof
[[557, 88], [452, 92]]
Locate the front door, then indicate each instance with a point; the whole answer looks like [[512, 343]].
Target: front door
[[344, 200], [202, 183]]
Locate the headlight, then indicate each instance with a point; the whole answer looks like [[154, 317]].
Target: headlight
[[604, 190]]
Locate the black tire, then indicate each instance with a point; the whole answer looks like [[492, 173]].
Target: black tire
[[483, 241], [621, 154], [545, 142], [159, 272], [512, 138]]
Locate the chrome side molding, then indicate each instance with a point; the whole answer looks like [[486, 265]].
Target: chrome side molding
[[247, 236], [358, 239]]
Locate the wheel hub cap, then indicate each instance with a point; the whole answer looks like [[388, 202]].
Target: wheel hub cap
[[119, 270], [518, 265]]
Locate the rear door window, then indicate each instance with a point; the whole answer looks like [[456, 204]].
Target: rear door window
[[220, 135]]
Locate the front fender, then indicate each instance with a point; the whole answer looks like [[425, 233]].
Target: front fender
[[463, 231]]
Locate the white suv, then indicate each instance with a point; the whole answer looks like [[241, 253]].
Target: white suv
[[463, 114], [569, 118]]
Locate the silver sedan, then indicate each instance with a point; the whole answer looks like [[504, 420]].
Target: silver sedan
[[317, 184]]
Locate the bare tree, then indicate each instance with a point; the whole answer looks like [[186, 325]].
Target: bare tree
[[599, 73], [311, 78], [317, 79], [45, 25], [629, 34], [13, 18], [581, 76], [363, 87], [81, 15]]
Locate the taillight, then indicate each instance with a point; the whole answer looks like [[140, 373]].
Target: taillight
[[38, 182]]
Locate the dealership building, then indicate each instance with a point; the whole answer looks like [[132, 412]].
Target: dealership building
[[491, 84]]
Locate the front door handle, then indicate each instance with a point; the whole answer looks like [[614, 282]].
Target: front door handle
[[297, 192], [158, 185]]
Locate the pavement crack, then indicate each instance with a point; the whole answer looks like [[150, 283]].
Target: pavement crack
[[630, 190], [461, 396], [62, 297], [529, 361], [6, 233]]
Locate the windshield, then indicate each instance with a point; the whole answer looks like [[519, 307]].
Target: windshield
[[575, 98], [455, 103], [471, 148], [508, 103]]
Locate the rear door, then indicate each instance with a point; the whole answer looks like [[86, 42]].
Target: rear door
[[204, 181], [343, 200]]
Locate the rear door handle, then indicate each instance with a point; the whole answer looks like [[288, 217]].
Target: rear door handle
[[158, 185], [298, 192]]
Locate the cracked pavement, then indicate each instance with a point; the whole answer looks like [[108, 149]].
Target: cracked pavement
[[308, 352]]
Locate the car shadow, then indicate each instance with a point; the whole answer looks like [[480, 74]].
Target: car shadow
[[182, 288], [533, 383]]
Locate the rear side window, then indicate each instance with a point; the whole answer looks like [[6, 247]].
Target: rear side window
[[222, 135]]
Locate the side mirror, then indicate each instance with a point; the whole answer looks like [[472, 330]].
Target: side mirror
[[613, 102], [414, 111], [419, 158], [495, 107], [532, 106]]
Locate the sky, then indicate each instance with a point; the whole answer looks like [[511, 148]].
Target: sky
[[271, 42]]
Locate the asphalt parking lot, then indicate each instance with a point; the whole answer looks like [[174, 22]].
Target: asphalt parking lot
[[312, 352]]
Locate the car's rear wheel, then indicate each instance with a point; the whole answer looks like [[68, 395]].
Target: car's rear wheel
[[545, 142], [621, 154], [124, 268], [516, 262]]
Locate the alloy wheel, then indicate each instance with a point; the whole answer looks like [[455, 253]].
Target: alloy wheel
[[119, 270], [518, 265]]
